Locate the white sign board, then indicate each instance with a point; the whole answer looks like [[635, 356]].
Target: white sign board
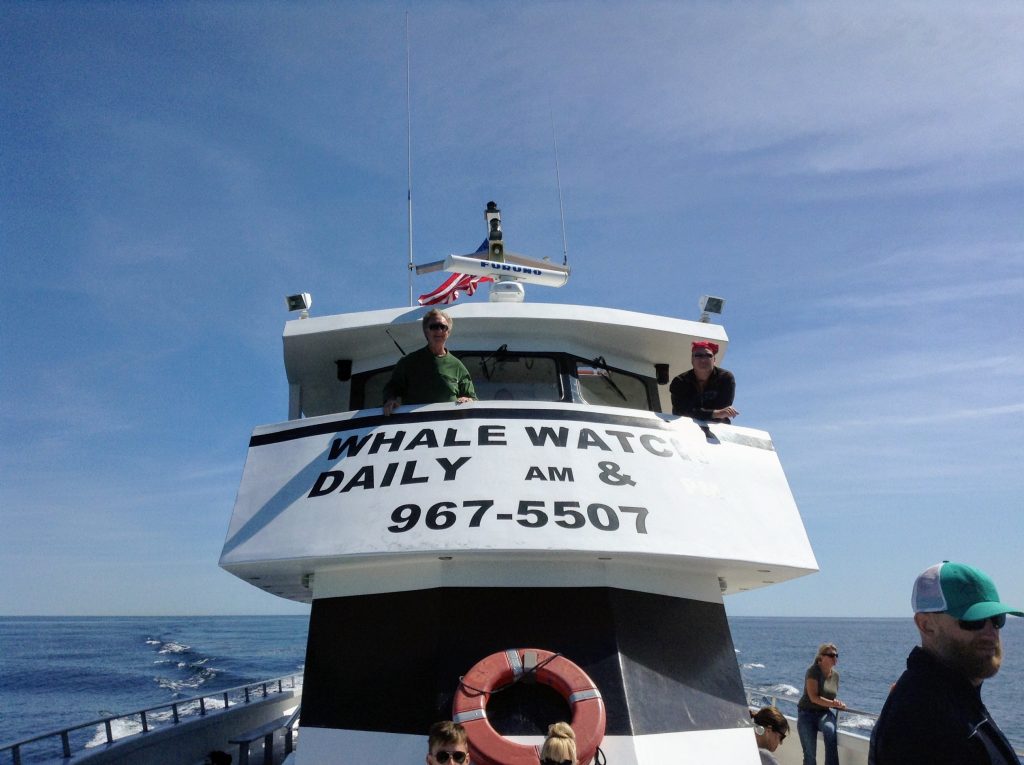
[[479, 478]]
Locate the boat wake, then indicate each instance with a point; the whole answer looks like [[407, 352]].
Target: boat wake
[[189, 670]]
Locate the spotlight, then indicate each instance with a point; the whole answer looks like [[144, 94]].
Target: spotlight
[[709, 305], [300, 302]]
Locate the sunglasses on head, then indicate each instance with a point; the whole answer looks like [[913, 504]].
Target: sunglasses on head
[[976, 624], [549, 761], [438, 325], [443, 756]]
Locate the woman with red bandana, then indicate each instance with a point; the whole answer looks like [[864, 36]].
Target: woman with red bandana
[[705, 392]]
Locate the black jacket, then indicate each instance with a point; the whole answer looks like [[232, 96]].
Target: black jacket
[[688, 401], [934, 716]]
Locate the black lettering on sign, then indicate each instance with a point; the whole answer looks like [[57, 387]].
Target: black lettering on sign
[[425, 437], [352, 445], [491, 435], [648, 441], [326, 483], [409, 474], [543, 435], [554, 474], [394, 442], [450, 468], [363, 479], [623, 436], [589, 438], [451, 438]]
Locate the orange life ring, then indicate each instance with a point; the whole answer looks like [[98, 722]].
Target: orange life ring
[[487, 746]]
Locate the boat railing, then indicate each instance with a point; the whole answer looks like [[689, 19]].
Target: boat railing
[[857, 721], [158, 716]]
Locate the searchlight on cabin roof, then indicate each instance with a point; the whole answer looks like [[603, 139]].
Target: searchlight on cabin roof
[[710, 304], [300, 302]]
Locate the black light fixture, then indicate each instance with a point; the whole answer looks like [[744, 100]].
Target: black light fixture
[[300, 302], [344, 369], [710, 304], [661, 373]]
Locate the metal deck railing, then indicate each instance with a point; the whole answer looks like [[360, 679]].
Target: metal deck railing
[[158, 716]]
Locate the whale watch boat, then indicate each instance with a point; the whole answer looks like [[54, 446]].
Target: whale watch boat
[[557, 550]]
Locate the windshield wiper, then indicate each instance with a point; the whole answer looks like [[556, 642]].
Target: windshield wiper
[[483, 362], [600, 362]]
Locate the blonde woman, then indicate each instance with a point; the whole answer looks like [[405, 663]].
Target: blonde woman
[[560, 746], [819, 706]]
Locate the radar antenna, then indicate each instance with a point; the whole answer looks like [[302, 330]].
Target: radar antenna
[[509, 270]]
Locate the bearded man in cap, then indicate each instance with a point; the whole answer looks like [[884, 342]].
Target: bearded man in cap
[[934, 714], [705, 391]]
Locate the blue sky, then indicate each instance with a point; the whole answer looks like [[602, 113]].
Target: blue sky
[[849, 176]]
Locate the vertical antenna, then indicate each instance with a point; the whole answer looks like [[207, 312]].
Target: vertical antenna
[[558, 182], [408, 141]]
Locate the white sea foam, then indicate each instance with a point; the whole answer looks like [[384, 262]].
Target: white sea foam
[[173, 647], [860, 722], [118, 729], [753, 665], [784, 690]]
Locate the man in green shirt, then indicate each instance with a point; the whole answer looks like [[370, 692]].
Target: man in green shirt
[[430, 375]]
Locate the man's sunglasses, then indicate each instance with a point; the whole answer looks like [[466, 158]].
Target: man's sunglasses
[[438, 325], [443, 756], [973, 626], [782, 736], [703, 355], [549, 761]]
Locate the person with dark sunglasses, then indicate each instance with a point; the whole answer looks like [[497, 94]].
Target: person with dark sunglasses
[[706, 391], [432, 374], [770, 729], [447, 743], [818, 707], [934, 714]]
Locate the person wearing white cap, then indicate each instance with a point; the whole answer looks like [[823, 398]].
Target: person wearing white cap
[[934, 714]]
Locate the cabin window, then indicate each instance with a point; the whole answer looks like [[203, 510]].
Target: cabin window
[[368, 388], [611, 387], [497, 376], [504, 376]]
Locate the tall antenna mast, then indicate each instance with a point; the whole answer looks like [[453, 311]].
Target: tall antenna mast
[[558, 182], [408, 140]]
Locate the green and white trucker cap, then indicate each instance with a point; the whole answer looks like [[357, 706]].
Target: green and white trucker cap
[[961, 591]]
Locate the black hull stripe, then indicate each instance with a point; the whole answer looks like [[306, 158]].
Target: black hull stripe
[[562, 415]]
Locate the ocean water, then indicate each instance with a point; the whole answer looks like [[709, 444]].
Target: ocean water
[[60, 671]]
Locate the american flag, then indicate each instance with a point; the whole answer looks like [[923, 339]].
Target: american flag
[[448, 291]]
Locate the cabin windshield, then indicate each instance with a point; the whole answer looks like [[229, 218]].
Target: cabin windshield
[[503, 375], [507, 377], [601, 385]]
